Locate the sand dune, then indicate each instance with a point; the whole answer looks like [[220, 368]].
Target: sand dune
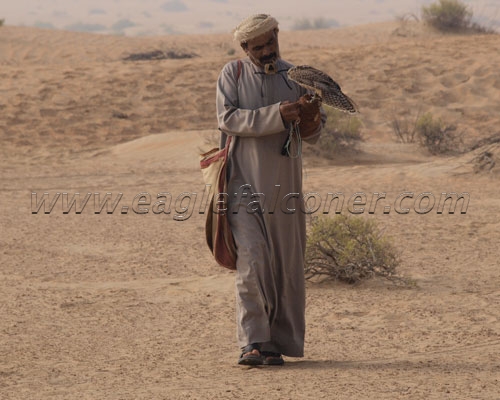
[[131, 306]]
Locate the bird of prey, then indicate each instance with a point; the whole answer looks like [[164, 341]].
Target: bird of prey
[[324, 87]]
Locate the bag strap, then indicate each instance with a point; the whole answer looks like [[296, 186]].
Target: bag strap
[[238, 74], [228, 137], [226, 147]]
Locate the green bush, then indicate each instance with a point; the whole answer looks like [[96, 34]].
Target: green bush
[[83, 27], [437, 136], [349, 249], [1, 22], [43, 25], [448, 15], [122, 24], [318, 23], [342, 133]]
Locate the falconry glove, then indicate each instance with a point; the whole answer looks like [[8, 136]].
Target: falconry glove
[[310, 117]]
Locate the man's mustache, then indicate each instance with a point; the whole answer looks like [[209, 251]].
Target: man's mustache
[[270, 57]]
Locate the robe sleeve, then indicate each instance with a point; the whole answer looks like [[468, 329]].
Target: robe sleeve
[[242, 122]]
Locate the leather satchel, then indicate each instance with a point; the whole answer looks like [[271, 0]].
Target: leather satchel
[[217, 230]]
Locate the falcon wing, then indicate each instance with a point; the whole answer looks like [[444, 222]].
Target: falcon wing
[[323, 85]]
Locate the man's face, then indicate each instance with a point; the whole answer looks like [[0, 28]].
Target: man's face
[[263, 49]]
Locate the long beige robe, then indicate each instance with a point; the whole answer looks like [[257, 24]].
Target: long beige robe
[[270, 240]]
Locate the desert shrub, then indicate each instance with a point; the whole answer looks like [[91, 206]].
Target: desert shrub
[[404, 127], [168, 29], [488, 156], [405, 25], [342, 133], [2, 21], [82, 27], [205, 25], [122, 24], [158, 55], [97, 11], [43, 25], [349, 249], [174, 6], [447, 15], [318, 23], [452, 16], [211, 140], [486, 160], [437, 136]]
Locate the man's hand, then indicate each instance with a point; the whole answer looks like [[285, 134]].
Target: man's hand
[[310, 117], [290, 111], [308, 110]]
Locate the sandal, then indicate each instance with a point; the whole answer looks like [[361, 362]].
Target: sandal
[[271, 358], [248, 357]]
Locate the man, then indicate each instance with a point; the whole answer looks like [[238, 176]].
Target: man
[[258, 106]]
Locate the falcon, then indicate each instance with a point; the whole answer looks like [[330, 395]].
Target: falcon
[[325, 88]]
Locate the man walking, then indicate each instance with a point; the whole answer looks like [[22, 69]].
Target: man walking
[[258, 106]]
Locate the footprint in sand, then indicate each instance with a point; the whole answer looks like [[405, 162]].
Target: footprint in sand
[[453, 80], [153, 87], [48, 112]]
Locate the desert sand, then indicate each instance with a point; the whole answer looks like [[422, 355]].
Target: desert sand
[[131, 306]]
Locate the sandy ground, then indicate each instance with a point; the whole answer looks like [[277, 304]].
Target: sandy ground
[[129, 306]]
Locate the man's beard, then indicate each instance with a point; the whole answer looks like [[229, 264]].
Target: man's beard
[[268, 62]]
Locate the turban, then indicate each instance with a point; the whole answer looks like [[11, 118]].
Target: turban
[[254, 26]]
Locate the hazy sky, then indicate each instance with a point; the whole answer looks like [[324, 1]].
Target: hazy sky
[[133, 17]]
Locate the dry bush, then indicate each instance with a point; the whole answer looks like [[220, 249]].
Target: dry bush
[[489, 156], [342, 133], [2, 21], [84, 27], [318, 23], [484, 162], [404, 126], [494, 139], [452, 16], [122, 24], [349, 249], [447, 15], [159, 55], [210, 140], [437, 136], [405, 25]]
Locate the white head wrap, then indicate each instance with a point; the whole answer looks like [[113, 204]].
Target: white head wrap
[[254, 26]]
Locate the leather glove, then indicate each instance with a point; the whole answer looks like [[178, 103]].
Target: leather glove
[[310, 117]]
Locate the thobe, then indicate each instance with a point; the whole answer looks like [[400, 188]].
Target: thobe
[[264, 206]]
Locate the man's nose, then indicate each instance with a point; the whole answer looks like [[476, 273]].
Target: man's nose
[[267, 51]]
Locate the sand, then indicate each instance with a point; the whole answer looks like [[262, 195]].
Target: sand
[[132, 306]]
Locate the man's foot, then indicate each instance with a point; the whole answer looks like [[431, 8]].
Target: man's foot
[[251, 355], [271, 358]]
